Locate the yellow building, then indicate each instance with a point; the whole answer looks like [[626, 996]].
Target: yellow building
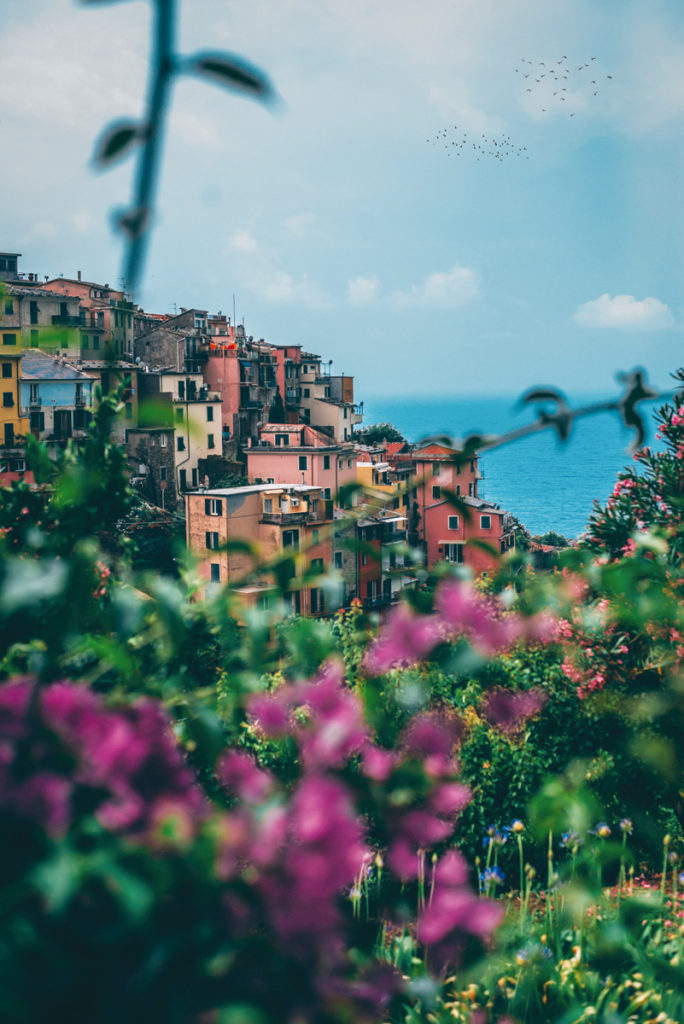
[[12, 424]]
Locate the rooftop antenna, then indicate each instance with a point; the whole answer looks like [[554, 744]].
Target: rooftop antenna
[[234, 320]]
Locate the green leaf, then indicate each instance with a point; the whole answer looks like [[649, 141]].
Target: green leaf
[[229, 70], [116, 141]]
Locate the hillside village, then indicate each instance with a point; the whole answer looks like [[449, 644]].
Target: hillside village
[[206, 406]]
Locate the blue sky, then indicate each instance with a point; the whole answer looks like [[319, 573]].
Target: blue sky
[[333, 219]]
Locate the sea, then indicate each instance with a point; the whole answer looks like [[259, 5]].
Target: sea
[[546, 484]]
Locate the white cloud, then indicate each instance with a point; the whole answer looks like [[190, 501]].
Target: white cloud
[[443, 289], [362, 291], [299, 224], [242, 241], [279, 287], [624, 311]]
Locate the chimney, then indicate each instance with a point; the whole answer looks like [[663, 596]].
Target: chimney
[[78, 274]]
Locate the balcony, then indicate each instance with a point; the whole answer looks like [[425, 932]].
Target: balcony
[[286, 518], [394, 536], [61, 320]]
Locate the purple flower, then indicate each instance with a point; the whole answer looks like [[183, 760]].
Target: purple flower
[[509, 710], [455, 910], [466, 611], [239, 772], [404, 639]]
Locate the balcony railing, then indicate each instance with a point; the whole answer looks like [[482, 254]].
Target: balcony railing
[[286, 518], [62, 320]]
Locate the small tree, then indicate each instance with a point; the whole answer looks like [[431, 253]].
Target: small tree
[[276, 413], [376, 432]]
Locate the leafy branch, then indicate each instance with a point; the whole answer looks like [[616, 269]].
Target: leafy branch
[[123, 137], [562, 417]]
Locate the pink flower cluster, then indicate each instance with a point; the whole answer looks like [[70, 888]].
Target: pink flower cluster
[[59, 744], [405, 638], [594, 653]]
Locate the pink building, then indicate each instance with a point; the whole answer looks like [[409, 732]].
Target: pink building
[[290, 453], [443, 529]]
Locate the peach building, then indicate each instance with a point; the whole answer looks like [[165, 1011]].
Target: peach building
[[275, 518]]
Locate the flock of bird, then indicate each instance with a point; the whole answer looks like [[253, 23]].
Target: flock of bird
[[554, 83], [458, 142], [561, 81]]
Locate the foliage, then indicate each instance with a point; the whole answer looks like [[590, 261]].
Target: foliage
[[650, 494], [374, 433]]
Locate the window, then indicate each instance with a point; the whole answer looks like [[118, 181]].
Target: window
[[472, 465], [181, 389], [163, 441], [436, 493], [33, 311], [84, 340], [182, 476], [7, 369], [326, 462], [458, 488], [180, 444], [315, 593], [346, 412], [364, 558], [453, 523], [162, 472], [485, 522], [96, 340], [268, 504], [291, 539], [326, 493], [317, 564], [129, 410], [348, 463], [215, 572], [302, 462], [9, 305], [9, 339], [210, 441], [326, 393], [314, 507], [307, 392], [9, 434], [34, 339], [211, 540], [282, 440], [338, 559], [471, 489], [7, 399], [314, 540], [436, 468], [213, 507], [210, 413], [395, 503], [179, 415], [453, 553], [194, 477]]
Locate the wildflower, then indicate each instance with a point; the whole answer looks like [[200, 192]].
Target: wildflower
[[492, 876], [517, 826], [602, 830], [625, 826]]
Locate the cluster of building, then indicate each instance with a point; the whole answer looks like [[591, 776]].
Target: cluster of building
[[203, 402]]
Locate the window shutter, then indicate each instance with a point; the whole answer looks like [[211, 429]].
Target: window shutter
[[219, 508], [207, 506]]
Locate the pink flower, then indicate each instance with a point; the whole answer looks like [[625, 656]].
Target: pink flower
[[403, 640]]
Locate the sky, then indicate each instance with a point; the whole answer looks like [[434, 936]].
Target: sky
[[358, 217]]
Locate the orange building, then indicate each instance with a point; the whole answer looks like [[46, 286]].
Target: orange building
[[276, 519]]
